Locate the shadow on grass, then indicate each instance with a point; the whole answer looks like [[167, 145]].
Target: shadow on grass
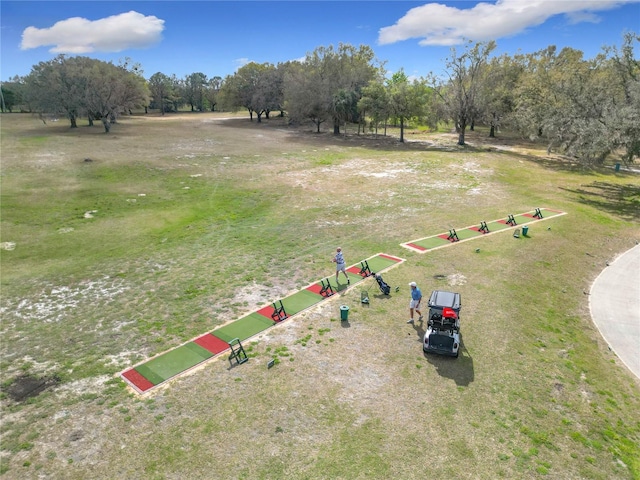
[[460, 369], [621, 200], [418, 326], [381, 296], [478, 142], [305, 135]]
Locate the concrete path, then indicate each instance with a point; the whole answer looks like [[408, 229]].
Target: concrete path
[[615, 307]]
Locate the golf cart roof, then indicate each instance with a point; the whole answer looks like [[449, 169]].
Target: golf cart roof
[[442, 299]]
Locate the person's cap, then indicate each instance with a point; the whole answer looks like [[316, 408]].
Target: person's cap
[[413, 284], [338, 249]]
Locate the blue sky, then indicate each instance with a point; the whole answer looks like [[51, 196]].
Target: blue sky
[[216, 37]]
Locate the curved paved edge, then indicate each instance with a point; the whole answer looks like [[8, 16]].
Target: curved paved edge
[[615, 307]]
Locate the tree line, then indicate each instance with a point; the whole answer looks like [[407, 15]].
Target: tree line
[[584, 108]]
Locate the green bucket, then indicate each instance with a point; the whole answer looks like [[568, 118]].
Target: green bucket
[[525, 230], [344, 313]]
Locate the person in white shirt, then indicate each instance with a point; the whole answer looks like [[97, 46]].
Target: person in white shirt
[[341, 266]]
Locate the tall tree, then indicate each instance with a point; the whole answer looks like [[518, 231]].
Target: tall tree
[[374, 103], [406, 99], [135, 68], [211, 92], [268, 94], [110, 90], [304, 98], [534, 92], [242, 89], [194, 90], [586, 109], [12, 94], [344, 107], [161, 90], [330, 76], [58, 87], [77, 85], [624, 113], [178, 93], [459, 95], [496, 99]]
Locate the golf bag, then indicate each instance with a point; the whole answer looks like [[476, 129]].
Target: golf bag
[[384, 288]]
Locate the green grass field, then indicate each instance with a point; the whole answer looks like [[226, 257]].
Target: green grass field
[[118, 247]]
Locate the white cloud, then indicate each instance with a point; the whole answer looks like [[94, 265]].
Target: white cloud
[[111, 34], [241, 62], [582, 17], [439, 24]]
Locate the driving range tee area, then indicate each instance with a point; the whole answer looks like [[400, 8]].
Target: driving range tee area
[[159, 369], [519, 224]]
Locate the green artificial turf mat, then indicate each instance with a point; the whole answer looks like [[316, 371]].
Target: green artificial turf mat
[[520, 219], [467, 233], [332, 282], [378, 263], [244, 327], [176, 361], [149, 374], [303, 299], [354, 277], [342, 284], [431, 242], [471, 232], [496, 226]]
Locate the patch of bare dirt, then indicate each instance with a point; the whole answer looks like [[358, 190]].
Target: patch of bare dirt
[[456, 279], [254, 295], [27, 386]]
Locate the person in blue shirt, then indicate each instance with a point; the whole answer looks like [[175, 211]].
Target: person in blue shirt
[[340, 265], [416, 298]]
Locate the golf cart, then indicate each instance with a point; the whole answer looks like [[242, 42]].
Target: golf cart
[[443, 327]]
